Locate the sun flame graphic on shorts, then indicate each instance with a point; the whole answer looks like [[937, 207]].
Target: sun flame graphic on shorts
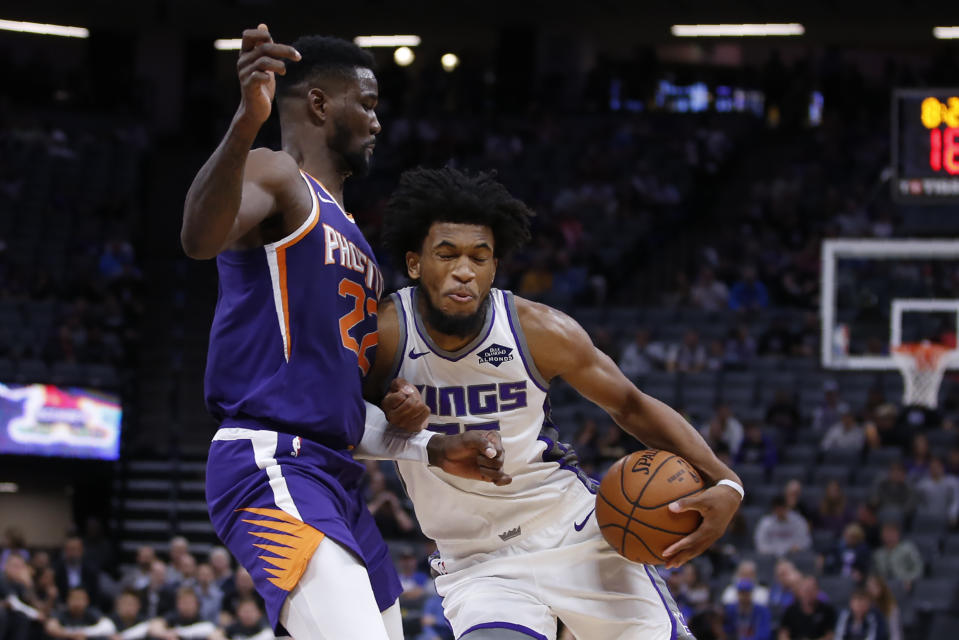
[[299, 541]]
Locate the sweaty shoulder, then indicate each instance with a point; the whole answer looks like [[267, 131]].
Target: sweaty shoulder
[[555, 340]]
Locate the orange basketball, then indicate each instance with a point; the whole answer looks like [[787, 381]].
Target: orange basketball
[[632, 506]]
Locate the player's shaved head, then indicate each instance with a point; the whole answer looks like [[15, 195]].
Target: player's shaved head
[[327, 63]]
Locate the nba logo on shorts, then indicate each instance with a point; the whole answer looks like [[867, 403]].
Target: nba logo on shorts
[[296, 447]]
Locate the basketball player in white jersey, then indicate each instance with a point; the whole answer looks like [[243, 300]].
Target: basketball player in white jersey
[[515, 558]]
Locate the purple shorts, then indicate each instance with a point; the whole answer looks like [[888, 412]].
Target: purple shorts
[[273, 497]]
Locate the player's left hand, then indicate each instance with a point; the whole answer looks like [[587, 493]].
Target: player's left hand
[[404, 407], [477, 455], [717, 505]]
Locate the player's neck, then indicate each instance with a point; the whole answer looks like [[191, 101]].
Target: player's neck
[[319, 162]]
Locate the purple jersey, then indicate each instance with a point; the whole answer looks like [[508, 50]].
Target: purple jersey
[[295, 330]]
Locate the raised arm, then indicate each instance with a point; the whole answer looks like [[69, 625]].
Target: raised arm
[[561, 348], [236, 189]]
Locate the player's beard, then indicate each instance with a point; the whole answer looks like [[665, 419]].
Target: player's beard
[[356, 160], [461, 326]]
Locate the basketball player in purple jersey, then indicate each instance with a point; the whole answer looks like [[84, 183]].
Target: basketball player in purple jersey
[[293, 335], [512, 559]]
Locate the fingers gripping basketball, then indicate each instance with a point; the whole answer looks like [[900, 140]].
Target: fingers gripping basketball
[[632, 506]]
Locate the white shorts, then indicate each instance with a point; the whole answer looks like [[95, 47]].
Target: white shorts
[[560, 572]]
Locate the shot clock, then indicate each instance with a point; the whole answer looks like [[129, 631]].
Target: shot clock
[[925, 145]]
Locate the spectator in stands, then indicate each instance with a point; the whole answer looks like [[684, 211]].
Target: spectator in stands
[[137, 577], [845, 435], [809, 617], [782, 531], [184, 623], [158, 597], [952, 461], [860, 620], [179, 547], [434, 623], [885, 430], [73, 571], [917, 464], [782, 592], [187, 570], [715, 356], [127, 619], [885, 602], [40, 561], [20, 606], [210, 595], [827, 413], [894, 491], [79, 620], [792, 492], [674, 583], [867, 518], [740, 348], [641, 356], [387, 509], [689, 356], [612, 445], [250, 623], [14, 542], [746, 570], [897, 559], [748, 294], [242, 588], [851, 556], [709, 294], [222, 565], [416, 584], [939, 493], [694, 588], [783, 414], [723, 427], [47, 593], [746, 620], [834, 511]]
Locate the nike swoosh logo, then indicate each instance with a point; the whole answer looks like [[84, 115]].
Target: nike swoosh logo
[[414, 356], [579, 525]]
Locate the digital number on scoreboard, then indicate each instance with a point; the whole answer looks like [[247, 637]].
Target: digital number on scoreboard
[[925, 145]]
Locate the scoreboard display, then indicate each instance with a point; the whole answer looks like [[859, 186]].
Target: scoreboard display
[[925, 145]]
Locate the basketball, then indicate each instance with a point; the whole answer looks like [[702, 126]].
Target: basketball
[[632, 506]]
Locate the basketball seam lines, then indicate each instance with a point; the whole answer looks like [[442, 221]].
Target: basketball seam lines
[[630, 520]]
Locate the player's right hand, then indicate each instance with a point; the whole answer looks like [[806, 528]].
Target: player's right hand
[[260, 59], [477, 455]]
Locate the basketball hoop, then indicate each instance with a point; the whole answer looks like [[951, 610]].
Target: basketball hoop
[[922, 365]]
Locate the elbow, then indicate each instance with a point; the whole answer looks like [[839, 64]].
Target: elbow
[[194, 249]]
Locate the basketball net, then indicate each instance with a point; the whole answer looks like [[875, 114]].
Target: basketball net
[[922, 365]]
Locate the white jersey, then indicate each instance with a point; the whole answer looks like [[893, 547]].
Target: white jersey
[[491, 383]]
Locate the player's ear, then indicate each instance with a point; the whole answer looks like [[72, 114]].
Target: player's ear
[[413, 265], [318, 104]]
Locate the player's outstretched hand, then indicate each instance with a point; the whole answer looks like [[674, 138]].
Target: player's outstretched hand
[[404, 407], [717, 505], [260, 59], [477, 455]]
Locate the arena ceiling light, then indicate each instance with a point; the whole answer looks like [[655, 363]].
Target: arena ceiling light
[[227, 44], [44, 29], [449, 61], [737, 30], [945, 33], [387, 41], [404, 56]]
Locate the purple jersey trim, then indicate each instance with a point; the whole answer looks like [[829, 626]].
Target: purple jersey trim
[[506, 625], [672, 619], [520, 339]]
